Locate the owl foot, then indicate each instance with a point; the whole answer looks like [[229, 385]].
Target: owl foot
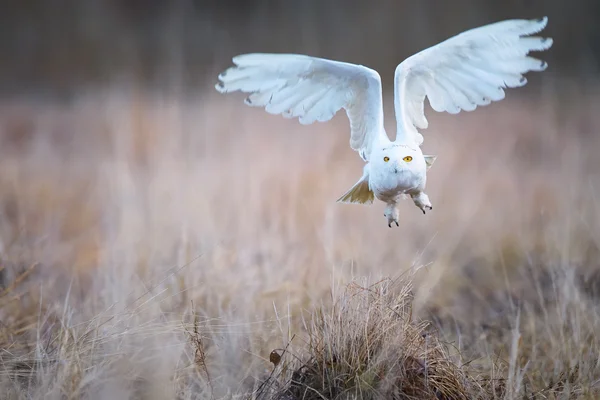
[[422, 201], [392, 214]]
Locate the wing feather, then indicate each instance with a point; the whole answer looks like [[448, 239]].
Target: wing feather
[[466, 71], [310, 89]]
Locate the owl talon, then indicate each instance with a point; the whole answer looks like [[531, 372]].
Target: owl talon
[[422, 201], [392, 214]]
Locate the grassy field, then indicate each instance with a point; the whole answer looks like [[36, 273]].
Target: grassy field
[[160, 246]]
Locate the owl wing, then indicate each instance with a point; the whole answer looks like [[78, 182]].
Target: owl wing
[[465, 71], [311, 89]]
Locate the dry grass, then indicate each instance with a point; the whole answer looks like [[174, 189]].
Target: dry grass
[[155, 246], [368, 346]]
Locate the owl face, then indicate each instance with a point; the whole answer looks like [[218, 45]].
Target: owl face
[[399, 159]]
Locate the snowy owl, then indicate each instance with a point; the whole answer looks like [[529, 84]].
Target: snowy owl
[[465, 71]]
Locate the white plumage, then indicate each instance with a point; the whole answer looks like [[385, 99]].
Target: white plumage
[[463, 72], [312, 89]]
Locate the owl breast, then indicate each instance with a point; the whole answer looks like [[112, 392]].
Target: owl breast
[[389, 184]]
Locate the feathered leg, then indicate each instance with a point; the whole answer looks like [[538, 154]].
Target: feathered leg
[[422, 201]]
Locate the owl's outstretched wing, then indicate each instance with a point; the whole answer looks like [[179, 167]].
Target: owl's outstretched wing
[[312, 89], [465, 71]]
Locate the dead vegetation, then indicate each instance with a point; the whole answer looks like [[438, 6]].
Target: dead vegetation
[[368, 346], [152, 249]]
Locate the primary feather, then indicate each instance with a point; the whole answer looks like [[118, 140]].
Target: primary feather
[[465, 71], [311, 89]]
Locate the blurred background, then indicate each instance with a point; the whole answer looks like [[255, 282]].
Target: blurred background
[[130, 189], [56, 47], [108, 111]]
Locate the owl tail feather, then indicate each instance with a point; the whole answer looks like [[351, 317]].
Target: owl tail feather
[[360, 193]]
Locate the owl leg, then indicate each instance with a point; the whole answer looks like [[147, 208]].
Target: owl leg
[[422, 201], [392, 214]]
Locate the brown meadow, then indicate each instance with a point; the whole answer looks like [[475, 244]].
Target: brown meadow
[[156, 245]]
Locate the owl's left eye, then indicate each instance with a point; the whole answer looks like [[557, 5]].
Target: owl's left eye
[[407, 158], [386, 159]]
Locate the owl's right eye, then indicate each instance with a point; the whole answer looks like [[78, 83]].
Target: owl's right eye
[[386, 159]]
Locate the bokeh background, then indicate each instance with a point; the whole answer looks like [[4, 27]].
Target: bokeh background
[[134, 197], [57, 47]]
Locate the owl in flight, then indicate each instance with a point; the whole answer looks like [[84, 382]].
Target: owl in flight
[[465, 71]]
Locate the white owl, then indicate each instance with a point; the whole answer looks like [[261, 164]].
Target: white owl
[[468, 70]]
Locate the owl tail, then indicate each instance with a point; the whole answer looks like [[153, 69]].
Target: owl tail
[[360, 193]]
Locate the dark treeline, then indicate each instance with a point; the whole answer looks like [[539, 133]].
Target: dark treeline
[[55, 46]]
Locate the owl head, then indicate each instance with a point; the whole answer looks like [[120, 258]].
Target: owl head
[[398, 158]]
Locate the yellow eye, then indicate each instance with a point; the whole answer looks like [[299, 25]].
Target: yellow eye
[[386, 159], [407, 158]]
